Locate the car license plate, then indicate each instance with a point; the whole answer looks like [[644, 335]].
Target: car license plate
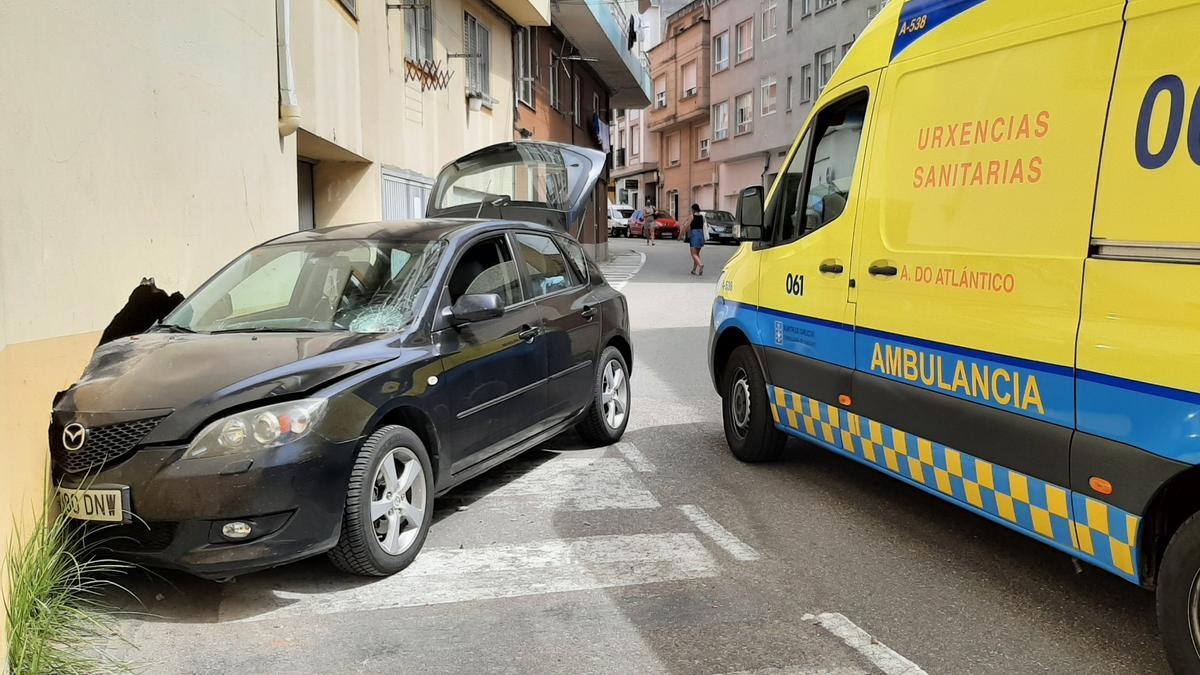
[[108, 504]]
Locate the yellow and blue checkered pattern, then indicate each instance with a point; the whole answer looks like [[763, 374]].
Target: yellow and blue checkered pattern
[[1090, 529]]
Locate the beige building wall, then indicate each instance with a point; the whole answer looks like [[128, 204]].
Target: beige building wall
[[359, 114], [141, 139]]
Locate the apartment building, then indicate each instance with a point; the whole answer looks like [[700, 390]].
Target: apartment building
[[569, 76], [679, 111], [770, 60], [634, 177], [162, 139]]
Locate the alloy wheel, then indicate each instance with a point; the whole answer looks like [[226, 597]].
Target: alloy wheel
[[739, 403], [398, 497], [615, 394]]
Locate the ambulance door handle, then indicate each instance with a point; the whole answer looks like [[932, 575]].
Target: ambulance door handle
[[831, 267], [880, 268]]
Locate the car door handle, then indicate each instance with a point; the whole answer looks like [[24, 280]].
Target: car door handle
[[831, 267], [529, 333], [882, 269], [589, 312]]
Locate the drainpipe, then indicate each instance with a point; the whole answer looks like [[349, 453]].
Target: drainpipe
[[289, 104]]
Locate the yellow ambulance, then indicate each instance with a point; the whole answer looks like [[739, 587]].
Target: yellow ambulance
[[978, 271]]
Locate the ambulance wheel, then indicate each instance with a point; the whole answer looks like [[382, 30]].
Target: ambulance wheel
[[749, 427], [1179, 598]]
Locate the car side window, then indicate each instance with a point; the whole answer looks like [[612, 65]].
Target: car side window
[[544, 264], [578, 258], [487, 267], [818, 182]]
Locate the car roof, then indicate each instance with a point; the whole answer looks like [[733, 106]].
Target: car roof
[[424, 229]]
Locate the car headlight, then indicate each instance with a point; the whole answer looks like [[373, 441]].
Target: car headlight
[[258, 429]]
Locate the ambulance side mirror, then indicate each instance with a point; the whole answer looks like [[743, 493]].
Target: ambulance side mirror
[[750, 214]]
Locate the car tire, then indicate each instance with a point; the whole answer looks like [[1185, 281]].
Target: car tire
[[605, 419], [360, 548], [749, 427], [1178, 598]]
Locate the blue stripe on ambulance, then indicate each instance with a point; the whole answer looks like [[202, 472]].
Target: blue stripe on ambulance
[[807, 336], [1159, 419], [1042, 391], [921, 16], [1037, 390]]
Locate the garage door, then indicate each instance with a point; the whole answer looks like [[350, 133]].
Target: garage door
[[404, 194]]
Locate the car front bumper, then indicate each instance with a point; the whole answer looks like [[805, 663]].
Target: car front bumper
[[292, 495]]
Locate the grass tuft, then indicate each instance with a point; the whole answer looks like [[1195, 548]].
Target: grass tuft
[[58, 621]]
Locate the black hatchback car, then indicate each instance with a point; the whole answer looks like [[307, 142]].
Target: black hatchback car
[[318, 392]]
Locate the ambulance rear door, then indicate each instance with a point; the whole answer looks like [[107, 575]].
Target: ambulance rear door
[[1139, 337]]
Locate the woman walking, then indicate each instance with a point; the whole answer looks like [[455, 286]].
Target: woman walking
[[696, 239]]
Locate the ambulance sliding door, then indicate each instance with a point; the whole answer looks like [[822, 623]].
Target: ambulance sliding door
[[1139, 337], [969, 261]]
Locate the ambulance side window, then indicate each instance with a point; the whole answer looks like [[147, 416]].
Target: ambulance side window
[[827, 171], [790, 221]]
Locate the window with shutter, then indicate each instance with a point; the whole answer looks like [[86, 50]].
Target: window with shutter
[[525, 68], [477, 45], [469, 50], [689, 79], [418, 31], [483, 71]]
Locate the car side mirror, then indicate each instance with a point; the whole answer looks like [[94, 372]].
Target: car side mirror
[[750, 214], [476, 307]]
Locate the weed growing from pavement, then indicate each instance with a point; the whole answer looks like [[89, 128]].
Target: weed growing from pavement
[[58, 621]]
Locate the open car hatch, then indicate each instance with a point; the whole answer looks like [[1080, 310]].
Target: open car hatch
[[538, 182]]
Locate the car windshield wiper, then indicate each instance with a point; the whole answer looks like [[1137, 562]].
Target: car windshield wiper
[[267, 329], [172, 328]]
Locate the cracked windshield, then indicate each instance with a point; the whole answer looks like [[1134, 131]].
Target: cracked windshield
[[356, 286], [692, 337]]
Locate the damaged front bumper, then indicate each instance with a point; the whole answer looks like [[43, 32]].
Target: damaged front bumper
[[290, 499]]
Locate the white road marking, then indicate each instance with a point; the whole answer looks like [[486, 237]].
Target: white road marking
[[564, 484], [723, 537], [861, 641], [635, 457], [802, 670], [443, 575], [622, 268]]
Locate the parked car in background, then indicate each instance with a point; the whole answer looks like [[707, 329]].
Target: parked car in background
[[618, 220], [318, 392], [665, 227], [719, 226]]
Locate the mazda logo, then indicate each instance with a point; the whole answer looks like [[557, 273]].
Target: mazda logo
[[74, 436]]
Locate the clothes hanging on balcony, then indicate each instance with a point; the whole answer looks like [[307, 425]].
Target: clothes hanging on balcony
[[600, 132], [632, 33]]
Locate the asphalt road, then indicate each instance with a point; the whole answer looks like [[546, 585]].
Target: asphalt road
[[664, 554]]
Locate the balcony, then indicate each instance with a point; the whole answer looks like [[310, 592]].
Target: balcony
[[600, 29], [618, 158], [526, 12]]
